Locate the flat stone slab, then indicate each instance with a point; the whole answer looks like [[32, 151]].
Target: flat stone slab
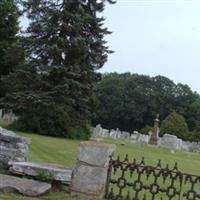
[[54, 172], [23, 186]]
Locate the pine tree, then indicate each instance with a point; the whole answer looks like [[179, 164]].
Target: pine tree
[[9, 15], [64, 47]]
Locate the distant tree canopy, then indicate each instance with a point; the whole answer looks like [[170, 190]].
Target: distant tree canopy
[[9, 28], [11, 53], [175, 124], [52, 92], [131, 101]]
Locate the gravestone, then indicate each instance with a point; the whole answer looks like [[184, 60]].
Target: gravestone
[[125, 135], [171, 142], [155, 133], [1, 113]]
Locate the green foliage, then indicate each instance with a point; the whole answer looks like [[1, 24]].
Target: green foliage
[[80, 133], [45, 176], [175, 124], [131, 101], [46, 120], [52, 92], [9, 54]]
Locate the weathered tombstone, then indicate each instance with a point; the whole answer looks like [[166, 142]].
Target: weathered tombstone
[[105, 133], [113, 134], [125, 135], [1, 113], [171, 142], [155, 134], [98, 130], [90, 174], [143, 138]]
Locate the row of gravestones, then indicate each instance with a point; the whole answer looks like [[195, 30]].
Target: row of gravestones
[[167, 141], [7, 116]]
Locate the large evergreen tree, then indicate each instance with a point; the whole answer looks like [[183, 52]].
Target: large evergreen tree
[[9, 15], [64, 47]]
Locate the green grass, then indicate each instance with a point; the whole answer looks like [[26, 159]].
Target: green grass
[[52, 150], [50, 196], [64, 152]]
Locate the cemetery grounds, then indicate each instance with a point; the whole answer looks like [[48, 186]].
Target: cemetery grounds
[[64, 152]]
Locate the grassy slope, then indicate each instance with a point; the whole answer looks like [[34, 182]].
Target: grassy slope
[[64, 151]]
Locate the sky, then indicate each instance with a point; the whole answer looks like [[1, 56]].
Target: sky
[[154, 37]]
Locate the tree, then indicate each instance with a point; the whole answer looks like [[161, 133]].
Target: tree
[[131, 101], [64, 46], [175, 124], [9, 28]]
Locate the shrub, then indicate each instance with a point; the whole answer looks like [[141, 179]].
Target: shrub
[[80, 132], [175, 124], [45, 120]]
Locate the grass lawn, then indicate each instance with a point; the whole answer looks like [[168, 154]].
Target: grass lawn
[[64, 152]]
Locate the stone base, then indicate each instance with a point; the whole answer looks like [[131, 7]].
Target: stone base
[[90, 174], [89, 181]]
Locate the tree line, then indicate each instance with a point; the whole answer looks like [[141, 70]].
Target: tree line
[[131, 101]]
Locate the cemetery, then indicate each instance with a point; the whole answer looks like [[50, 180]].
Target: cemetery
[[169, 141], [72, 131], [17, 167]]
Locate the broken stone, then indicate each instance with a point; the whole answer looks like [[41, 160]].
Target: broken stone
[[23, 186]]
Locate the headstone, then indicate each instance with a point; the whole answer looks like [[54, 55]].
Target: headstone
[[90, 174], [105, 133], [99, 130], [125, 135], [143, 138], [1, 113], [113, 134], [171, 142], [118, 133], [155, 134]]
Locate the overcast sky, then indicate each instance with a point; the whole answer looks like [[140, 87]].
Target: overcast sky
[[155, 37]]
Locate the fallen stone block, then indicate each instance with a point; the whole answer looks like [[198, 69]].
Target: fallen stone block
[[23, 186], [42, 171]]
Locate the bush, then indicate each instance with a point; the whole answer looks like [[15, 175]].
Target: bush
[[80, 132], [51, 120], [194, 136], [175, 124]]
